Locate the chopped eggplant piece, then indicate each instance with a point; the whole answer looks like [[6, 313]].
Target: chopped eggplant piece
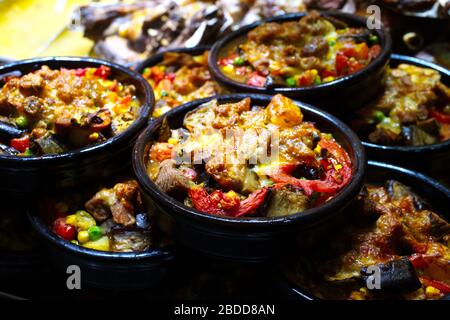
[[124, 240], [417, 137], [395, 276], [9, 131], [143, 221], [286, 201], [48, 144]]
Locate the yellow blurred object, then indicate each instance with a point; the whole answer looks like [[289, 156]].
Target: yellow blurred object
[[100, 244], [32, 28]]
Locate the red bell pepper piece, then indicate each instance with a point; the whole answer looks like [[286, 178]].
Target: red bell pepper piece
[[440, 285], [80, 72], [253, 201], [419, 261], [102, 72], [440, 116], [64, 230], [256, 80], [330, 184], [170, 76], [219, 203], [21, 144]]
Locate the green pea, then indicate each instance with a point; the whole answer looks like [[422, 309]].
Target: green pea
[[378, 116], [331, 43], [373, 38], [164, 93], [28, 152], [238, 61], [291, 82], [95, 233], [22, 122], [317, 80]]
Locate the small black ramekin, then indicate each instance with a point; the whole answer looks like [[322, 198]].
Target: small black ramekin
[[101, 269], [249, 239], [431, 159], [337, 96], [378, 172], [22, 175]]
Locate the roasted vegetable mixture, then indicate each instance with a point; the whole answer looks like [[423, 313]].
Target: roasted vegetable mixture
[[53, 111], [301, 53], [180, 78], [238, 160], [413, 110], [391, 228], [114, 219]]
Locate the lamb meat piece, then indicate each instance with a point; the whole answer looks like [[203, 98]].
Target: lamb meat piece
[[286, 201], [170, 179], [122, 202]]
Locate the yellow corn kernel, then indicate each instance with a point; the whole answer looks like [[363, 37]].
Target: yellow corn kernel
[[93, 136], [228, 68], [314, 72], [338, 167], [318, 149], [74, 242], [328, 79], [83, 236], [432, 292], [72, 220], [100, 244], [198, 59]]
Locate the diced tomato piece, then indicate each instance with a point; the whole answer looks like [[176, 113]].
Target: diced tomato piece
[[341, 64], [102, 72], [228, 60], [64, 230], [256, 80], [157, 74], [21, 144], [328, 73]]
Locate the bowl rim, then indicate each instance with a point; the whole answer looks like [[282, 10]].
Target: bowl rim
[[378, 62], [444, 145], [157, 58], [43, 230], [134, 128], [422, 178], [340, 200]]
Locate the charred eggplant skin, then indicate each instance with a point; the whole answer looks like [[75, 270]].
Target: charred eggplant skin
[[395, 276]]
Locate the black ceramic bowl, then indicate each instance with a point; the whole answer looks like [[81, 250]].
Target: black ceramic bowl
[[102, 269], [28, 174], [248, 239], [431, 190], [431, 159], [337, 96]]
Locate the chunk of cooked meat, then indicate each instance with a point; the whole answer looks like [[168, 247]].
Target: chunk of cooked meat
[[122, 201], [170, 179], [287, 200]]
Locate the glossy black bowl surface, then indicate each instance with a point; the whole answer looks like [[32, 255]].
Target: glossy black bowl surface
[[157, 58], [378, 172], [22, 175], [337, 96], [430, 159], [251, 239]]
